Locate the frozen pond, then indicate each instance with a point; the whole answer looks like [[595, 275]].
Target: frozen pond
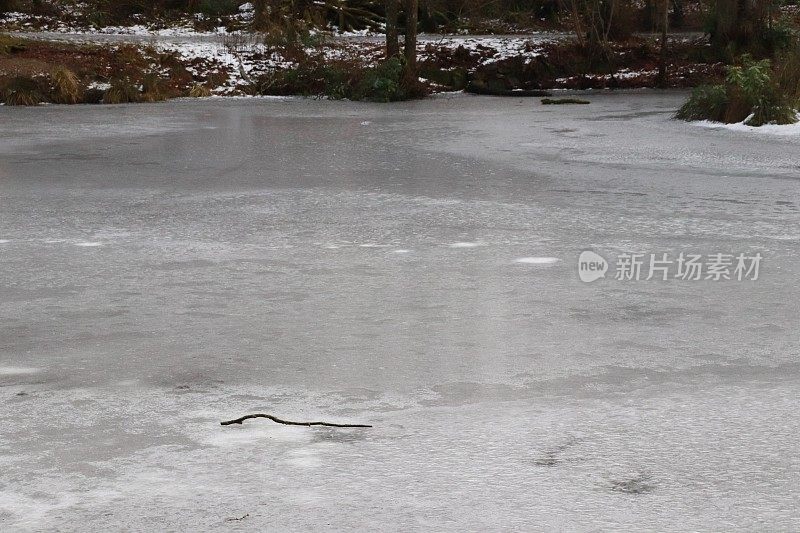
[[412, 266]]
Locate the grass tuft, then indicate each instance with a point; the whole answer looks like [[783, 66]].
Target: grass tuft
[[122, 91], [67, 89], [199, 90], [23, 91]]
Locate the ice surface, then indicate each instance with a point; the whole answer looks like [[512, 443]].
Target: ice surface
[[767, 129], [504, 396]]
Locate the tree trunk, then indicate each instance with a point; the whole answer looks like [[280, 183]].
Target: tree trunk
[[677, 14], [662, 66], [260, 15], [412, 7], [392, 39], [342, 21]]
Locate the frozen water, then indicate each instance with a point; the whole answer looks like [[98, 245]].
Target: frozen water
[[503, 396]]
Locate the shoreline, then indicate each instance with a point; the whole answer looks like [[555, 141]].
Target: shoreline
[[243, 64]]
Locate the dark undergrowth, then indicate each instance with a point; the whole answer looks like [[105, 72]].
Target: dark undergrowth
[[341, 79], [34, 72]]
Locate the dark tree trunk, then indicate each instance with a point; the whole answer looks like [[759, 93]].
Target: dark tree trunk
[[260, 15], [392, 39], [677, 14], [739, 21], [662, 65], [342, 20], [412, 7]]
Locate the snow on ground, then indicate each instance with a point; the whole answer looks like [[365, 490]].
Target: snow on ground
[[245, 56], [491, 48], [769, 129]]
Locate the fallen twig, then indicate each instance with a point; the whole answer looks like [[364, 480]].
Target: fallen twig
[[557, 101], [290, 423]]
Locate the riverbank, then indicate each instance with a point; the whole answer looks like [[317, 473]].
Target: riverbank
[[144, 67]]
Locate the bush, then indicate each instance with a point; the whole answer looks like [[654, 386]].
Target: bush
[[707, 102], [384, 83], [153, 88], [750, 88], [66, 88], [199, 91], [122, 91], [218, 8], [752, 94], [341, 79], [23, 91]]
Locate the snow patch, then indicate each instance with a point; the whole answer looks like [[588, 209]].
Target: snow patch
[[18, 370], [537, 260], [790, 130]]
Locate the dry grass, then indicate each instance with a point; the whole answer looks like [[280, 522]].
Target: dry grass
[[67, 88], [122, 92], [23, 91], [199, 91]]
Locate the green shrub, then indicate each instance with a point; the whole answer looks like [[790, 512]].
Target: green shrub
[[751, 88], [707, 102], [752, 94], [384, 83], [340, 79]]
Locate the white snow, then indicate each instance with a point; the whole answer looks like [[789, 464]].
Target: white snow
[[17, 370], [769, 129], [99, 85], [537, 260], [464, 245]]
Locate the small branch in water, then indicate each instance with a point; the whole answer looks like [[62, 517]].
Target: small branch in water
[[290, 423]]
